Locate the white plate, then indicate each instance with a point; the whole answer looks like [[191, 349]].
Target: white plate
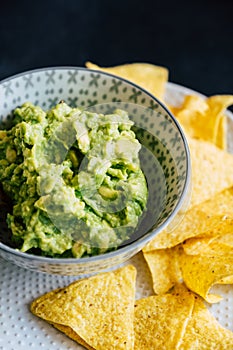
[[19, 329]]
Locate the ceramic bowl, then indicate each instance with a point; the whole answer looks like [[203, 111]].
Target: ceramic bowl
[[164, 156]]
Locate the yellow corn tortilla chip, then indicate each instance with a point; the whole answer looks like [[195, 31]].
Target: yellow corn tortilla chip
[[148, 76], [226, 280], [201, 272], [218, 103], [194, 223], [195, 103], [169, 266], [204, 332], [160, 321], [204, 118], [164, 268], [212, 170], [71, 334], [192, 115], [221, 139], [99, 309], [218, 241], [209, 245], [220, 204]]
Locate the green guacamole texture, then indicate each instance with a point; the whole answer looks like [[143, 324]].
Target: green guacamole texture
[[74, 179]]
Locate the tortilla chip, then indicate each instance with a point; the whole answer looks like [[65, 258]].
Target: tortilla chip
[[221, 138], [148, 76], [226, 280], [212, 170], [218, 103], [193, 224], [203, 118], [209, 245], [71, 334], [196, 221], [201, 272], [195, 103], [99, 309], [218, 241], [164, 268], [220, 204], [204, 332], [160, 321], [191, 115]]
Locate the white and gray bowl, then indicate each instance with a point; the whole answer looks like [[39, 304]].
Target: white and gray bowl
[[164, 157]]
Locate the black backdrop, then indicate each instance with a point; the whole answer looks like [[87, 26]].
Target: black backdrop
[[194, 39]]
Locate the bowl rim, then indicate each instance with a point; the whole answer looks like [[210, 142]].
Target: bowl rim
[[138, 243]]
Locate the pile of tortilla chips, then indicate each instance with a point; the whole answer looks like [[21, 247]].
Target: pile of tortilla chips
[[199, 251], [101, 312]]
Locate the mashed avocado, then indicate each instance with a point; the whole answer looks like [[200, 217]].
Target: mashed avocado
[[74, 178]]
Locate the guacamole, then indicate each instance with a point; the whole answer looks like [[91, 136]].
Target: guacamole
[[74, 179]]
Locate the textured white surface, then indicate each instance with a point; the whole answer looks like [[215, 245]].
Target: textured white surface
[[20, 330]]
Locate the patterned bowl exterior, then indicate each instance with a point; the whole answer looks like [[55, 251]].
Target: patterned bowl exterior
[[164, 157]]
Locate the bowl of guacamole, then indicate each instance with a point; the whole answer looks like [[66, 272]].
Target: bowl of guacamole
[[91, 168]]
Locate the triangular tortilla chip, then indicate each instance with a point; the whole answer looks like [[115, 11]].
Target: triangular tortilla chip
[[210, 245], [217, 105], [212, 170], [201, 272], [203, 118], [148, 76], [71, 334], [191, 114], [98, 309], [160, 321], [220, 204], [218, 241], [204, 332], [196, 221], [164, 268]]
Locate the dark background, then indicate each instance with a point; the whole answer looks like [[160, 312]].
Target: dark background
[[194, 39]]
